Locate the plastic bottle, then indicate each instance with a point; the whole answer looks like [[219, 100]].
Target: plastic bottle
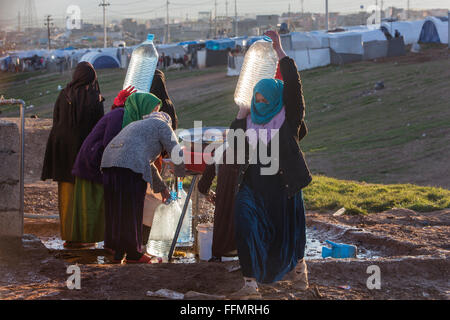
[[260, 62], [163, 228], [339, 250], [141, 69], [186, 237]]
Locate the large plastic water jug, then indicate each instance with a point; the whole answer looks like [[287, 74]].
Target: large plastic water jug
[[141, 69], [186, 237], [163, 229], [260, 62]]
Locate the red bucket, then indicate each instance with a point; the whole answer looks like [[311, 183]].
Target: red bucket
[[195, 161]]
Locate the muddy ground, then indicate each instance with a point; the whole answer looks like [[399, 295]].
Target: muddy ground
[[411, 249]]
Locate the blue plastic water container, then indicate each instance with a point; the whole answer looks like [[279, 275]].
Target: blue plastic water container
[[339, 250]]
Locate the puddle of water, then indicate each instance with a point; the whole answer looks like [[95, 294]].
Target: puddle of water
[[315, 240], [53, 243]]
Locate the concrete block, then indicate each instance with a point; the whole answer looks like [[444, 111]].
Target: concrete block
[[9, 196], [9, 136], [9, 165], [10, 224]]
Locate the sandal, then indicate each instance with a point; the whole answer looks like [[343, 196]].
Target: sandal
[[246, 293], [146, 259]]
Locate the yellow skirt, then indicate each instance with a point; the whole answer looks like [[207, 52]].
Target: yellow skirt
[[65, 205]]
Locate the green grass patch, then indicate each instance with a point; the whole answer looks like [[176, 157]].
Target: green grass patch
[[325, 194], [328, 194]]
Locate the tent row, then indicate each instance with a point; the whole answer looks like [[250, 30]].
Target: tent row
[[310, 49]]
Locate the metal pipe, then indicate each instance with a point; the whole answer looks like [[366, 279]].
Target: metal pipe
[[22, 150], [40, 216], [183, 213]]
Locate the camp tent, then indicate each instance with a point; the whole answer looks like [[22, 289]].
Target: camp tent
[[240, 41], [410, 30], [252, 40], [101, 60], [310, 58], [434, 30], [302, 41], [220, 44], [171, 50]]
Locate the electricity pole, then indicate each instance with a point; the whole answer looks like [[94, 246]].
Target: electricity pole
[[215, 18], [235, 18], [18, 26], [407, 11], [48, 23], [289, 16], [104, 4], [168, 23], [226, 8], [303, 11], [326, 15]]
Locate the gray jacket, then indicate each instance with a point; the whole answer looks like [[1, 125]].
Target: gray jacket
[[138, 145]]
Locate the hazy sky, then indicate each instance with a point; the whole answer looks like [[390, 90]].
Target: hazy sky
[[148, 9]]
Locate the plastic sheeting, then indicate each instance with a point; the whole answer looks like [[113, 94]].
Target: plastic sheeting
[[310, 58], [220, 44], [201, 59], [375, 49], [410, 30], [171, 50], [347, 42], [305, 40]]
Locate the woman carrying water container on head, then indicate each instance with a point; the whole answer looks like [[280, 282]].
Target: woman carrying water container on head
[[269, 211]]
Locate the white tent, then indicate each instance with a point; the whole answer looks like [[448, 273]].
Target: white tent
[[305, 40], [310, 58], [171, 50], [346, 42], [410, 30]]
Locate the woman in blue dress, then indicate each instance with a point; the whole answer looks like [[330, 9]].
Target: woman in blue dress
[[269, 211]]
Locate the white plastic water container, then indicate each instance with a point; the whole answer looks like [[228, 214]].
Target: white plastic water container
[[142, 66], [204, 238], [186, 237], [163, 228], [260, 62]]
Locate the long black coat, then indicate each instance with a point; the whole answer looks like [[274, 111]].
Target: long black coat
[[73, 119], [159, 89], [293, 170]]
